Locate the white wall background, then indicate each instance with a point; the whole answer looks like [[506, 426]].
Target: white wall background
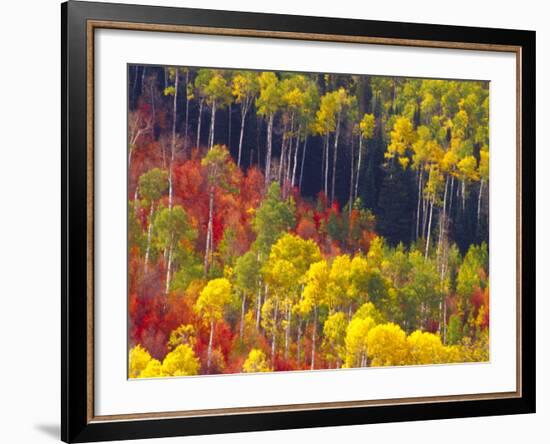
[[30, 219]]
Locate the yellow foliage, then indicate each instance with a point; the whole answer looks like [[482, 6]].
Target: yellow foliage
[[153, 370], [180, 362], [387, 345], [357, 342], [256, 362], [184, 334], [139, 358], [334, 333], [425, 348], [213, 298], [315, 290]]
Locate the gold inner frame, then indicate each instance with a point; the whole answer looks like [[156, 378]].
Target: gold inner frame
[[92, 25]]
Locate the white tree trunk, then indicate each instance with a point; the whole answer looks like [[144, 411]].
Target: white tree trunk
[[241, 134], [418, 202], [302, 165], [334, 161], [186, 111], [258, 306], [358, 167], [314, 337], [431, 204], [479, 199], [169, 267], [201, 104], [212, 126], [442, 217], [293, 182], [209, 230], [173, 145], [274, 334], [209, 356], [269, 148]]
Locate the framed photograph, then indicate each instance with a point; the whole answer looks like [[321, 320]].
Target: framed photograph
[[276, 221]]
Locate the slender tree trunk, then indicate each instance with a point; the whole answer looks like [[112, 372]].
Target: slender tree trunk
[[442, 217], [479, 199], [229, 127], [244, 110], [302, 165], [153, 107], [289, 160], [243, 306], [451, 193], [136, 201], [274, 337], [201, 105], [210, 340], [358, 166], [293, 182], [258, 306], [425, 205], [269, 148], [135, 85], [418, 202], [283, 152], [209, 230], [351, 169], [298, 343], [142, 80], [431, 204], [334, 161], [173, 145], [314, 337], [149, 231], [169, 267], [186, 111], [212, 126]]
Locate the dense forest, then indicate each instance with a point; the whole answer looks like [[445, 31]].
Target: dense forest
[[292, 221]]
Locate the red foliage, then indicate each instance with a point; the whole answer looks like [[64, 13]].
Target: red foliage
[[306, 229]]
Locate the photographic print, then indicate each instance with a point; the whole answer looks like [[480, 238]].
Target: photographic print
[[283, 221]]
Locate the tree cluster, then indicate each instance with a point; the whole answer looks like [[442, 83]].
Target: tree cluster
[[323, 221]]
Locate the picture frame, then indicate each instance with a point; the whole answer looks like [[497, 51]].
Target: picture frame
[[80, 21]]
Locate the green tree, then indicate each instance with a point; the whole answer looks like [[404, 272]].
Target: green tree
[[172, 226], [219, 168], [152, 185], [246, 272], [273, 217]]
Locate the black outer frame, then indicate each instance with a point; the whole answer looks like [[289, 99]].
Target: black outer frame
[[74, 423]]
